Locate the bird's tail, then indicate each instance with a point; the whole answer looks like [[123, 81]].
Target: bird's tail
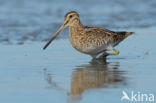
[[128, 34], [121, 36], [124, 34]]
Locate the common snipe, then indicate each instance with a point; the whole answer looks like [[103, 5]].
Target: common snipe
[[90, 40]]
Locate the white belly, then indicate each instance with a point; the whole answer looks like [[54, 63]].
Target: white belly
[[93, 50]]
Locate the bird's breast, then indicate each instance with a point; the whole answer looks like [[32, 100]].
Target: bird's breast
[[75, 37]]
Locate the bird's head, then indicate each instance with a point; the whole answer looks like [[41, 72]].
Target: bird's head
[[71, 19]]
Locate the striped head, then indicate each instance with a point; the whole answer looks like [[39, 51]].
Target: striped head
[[71, 19]]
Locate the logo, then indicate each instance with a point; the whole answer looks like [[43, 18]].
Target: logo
[[137, 96]]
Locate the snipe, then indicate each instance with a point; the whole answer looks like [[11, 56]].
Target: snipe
[[90, 40]]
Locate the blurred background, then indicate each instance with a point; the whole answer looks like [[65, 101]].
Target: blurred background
[[61, 74], [37, 20]]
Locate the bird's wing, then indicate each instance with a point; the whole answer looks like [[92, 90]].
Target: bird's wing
[[99, 31], [105, 36], [108, 36]]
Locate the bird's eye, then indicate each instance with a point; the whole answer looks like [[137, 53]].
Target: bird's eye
[[70, 16]]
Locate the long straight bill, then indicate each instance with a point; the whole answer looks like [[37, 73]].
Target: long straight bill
[[61, 28]]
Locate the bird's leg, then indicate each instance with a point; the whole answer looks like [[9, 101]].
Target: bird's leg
[[104, 55], [116, 52], [93, 56]]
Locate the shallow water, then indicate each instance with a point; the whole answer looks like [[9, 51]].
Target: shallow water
[[61, 74]]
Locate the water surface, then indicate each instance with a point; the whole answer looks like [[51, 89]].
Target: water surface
[[63, 75]]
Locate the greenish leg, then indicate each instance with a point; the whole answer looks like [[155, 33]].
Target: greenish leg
[[116, 52], [111, 54]]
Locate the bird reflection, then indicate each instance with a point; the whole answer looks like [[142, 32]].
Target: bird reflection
[[97, 74]]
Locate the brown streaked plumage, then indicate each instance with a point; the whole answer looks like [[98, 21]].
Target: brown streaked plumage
[[90, 40]]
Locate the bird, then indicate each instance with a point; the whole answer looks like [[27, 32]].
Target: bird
[[88, 39]]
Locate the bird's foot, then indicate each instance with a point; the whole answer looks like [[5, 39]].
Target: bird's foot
[[116, 52], [104, 55]]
